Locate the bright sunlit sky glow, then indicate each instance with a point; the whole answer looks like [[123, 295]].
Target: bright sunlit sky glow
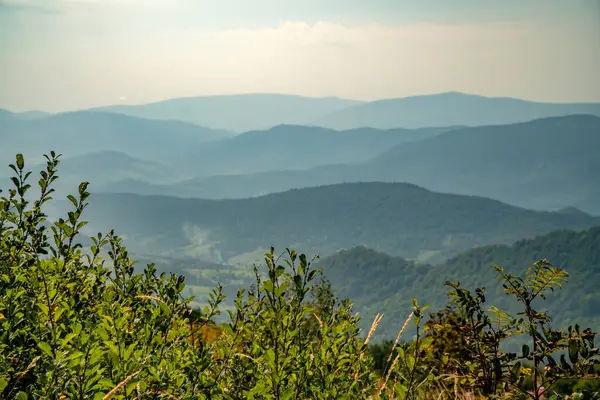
[[58, 55]]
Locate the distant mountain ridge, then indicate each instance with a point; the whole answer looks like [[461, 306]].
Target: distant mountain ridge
[[547, 164], [239, 113], [78, 133], [447, 109], [33, 114], [102, 167], [260, 111], [294, 147], [400, 219]]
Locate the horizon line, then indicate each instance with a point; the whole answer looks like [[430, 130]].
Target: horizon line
[[207, 96]]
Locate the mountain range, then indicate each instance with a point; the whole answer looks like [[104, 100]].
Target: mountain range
[[546, 164], [293, 147], [400, 219], [448, 109], [246, 112], [237, 113], [79, 133]]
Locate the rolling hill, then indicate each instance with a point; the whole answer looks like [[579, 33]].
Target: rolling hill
[[377, 282], [104, 167], [545, 164], [400, 219], [238, 113], [32, 114], [78, 133], [447, 109], [293, 147]]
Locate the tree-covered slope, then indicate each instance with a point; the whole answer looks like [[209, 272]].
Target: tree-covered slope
[[378, 282], [401, 219]]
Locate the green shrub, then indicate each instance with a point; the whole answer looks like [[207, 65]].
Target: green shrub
[[76, 325]]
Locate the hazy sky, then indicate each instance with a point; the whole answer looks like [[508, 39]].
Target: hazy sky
[[57, 55]]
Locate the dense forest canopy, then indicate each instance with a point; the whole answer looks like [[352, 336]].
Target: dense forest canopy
[[377, 282]]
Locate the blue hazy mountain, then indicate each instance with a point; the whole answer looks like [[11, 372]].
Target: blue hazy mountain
[[447, 109], [549, 164], [294, 147], [78, 133], [238, 113]]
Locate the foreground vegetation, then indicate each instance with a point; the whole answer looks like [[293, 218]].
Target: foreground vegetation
[[77, 325]]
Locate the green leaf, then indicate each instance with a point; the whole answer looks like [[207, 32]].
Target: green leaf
[[20, 161], [573, 350], [298, 281], [525, 351], [72, 199], [279, 271], [76, 328], [45, 347], [67, 339], [287, 394]]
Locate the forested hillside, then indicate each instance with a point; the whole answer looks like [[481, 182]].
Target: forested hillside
[[377, 282], [400, 219]]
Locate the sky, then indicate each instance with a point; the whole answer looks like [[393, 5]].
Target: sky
[[58, 55]]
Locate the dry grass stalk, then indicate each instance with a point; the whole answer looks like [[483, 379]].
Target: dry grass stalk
[[244, 356], [318, 319], [142, 296], [387, 377], [29, 367], [456, 386], [400, 335], [376, 322], [119, 386]]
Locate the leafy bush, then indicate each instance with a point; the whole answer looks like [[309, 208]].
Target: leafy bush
[[78, 325]]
